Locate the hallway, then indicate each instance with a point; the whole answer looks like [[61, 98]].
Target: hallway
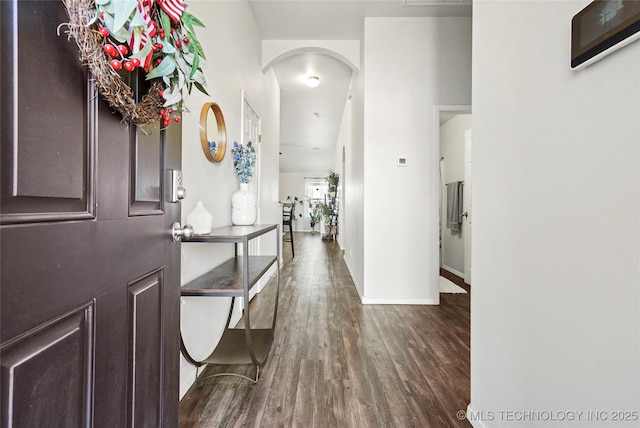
[[338, 363]]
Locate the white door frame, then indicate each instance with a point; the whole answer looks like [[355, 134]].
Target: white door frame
[[468, 202], [245, 106], [250, 128], [437, 199]]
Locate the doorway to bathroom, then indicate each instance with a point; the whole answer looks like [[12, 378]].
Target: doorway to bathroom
[[455, 141]]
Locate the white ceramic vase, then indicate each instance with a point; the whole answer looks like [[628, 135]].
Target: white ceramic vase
[[200, 219], [243, 206]]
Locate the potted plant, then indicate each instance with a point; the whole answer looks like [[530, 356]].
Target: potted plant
[[322, 211], [333, 180], [317, 212]]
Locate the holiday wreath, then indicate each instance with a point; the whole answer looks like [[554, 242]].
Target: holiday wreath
[[158, 37]]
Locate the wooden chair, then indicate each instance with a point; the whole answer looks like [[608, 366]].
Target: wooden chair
[[288, 211]]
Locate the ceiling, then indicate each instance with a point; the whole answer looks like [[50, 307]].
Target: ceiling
[[310, 118]]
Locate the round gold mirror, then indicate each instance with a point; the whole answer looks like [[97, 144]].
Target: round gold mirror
[[213, 132]]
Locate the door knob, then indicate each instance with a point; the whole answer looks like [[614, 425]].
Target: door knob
[[178, 232]]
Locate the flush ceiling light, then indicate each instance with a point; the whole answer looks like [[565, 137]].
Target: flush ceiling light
[[313, 81]]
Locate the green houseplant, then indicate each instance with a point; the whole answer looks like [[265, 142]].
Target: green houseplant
[[319, 210], [333, 178]]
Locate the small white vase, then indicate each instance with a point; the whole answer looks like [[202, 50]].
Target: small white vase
[[243, 206], [200, 219]]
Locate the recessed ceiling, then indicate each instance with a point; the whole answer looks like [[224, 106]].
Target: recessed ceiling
[[310, 117], [307, 142], [339, 19]]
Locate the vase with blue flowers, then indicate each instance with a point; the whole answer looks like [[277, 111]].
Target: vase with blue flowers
[[243, 201]]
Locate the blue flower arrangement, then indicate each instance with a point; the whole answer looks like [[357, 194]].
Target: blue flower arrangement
[[244, 158], [213, 148]]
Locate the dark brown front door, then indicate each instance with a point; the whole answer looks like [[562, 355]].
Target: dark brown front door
[[89, 275]]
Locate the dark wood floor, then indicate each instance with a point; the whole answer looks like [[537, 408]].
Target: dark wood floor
[[338, 363]]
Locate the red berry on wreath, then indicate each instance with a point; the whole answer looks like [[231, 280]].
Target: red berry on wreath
[[104, 32], [178, 43], [161, 94], [162, 36], [136, 62], [166, 122], [123, 49], [170, 110], [186, 40], [110, 50], [161, 112], [115, 64], [158, 61], [176, 119], [129, 66], [101, 15]]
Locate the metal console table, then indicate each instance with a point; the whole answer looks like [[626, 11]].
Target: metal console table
[[235, 278]]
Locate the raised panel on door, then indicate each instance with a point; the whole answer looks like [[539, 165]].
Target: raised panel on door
[[146, 162], [146, 172], [145, 346], [48, 151], [47, 373]]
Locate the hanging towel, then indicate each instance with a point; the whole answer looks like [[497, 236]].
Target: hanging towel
[[454, 205]]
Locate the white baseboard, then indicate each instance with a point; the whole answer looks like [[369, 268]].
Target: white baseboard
[[370, 301], [453, 271], [353, 278], [188, 380]]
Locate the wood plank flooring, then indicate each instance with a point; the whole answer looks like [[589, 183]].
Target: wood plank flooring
[[338, 363]]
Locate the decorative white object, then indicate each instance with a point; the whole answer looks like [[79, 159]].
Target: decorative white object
[[200, 219], [243, 206]]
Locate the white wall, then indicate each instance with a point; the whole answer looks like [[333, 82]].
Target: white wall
[[344, 140], [232, 46], [353, 183], [555, 319], [411, 65], [452, 150]]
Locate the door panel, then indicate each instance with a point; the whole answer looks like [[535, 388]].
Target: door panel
[[89, 275], [146, 172], [145, 337], [31, 391], [47, 158], [110, 393]]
